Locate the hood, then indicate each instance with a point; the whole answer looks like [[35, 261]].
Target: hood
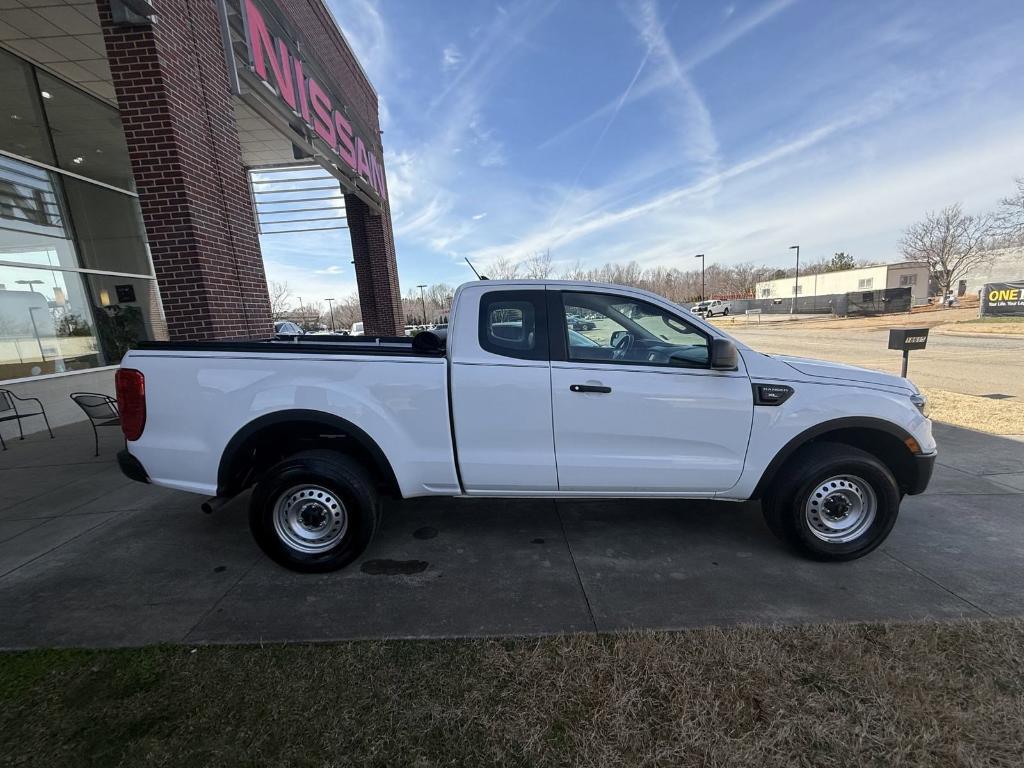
[[842, 373]]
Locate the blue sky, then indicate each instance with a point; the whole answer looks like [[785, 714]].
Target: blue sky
[[614, 131]]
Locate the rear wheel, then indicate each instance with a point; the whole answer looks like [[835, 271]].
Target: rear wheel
[[833, 502], [315, 511]]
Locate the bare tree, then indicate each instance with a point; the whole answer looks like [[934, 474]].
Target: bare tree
[[309, 315], [1009, 219], [742, 279], [575, 272], [439, 300], [538, 266], [502, 268], [951, 242], [280, 300], [347, 311]]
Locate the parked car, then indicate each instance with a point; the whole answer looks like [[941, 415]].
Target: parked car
[[577, 323], [356, 329], [287, 328], [508, 404], [711, 308]]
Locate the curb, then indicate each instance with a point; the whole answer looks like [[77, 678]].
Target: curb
[[967, 334]]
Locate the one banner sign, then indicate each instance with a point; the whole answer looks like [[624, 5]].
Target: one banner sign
[[1003, 299], [277, 63]]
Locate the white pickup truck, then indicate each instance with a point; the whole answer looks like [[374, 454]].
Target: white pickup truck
[[513, 402]]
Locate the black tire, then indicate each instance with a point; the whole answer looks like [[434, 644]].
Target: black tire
[[339, 478], [786, 504], [725, 312]]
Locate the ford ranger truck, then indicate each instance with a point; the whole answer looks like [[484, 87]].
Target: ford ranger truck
[[511, 401]]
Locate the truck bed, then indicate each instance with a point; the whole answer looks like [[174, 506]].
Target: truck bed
[[202, 395]]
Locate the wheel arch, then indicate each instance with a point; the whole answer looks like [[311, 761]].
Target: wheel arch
[[882, 439], [292, 430]]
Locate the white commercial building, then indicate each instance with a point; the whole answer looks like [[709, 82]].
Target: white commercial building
[[903, 274]]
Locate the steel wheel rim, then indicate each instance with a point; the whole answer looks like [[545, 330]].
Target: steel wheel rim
[[310, 518], [840, 509]]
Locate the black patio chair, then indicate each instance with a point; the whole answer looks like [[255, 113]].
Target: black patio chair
[[101, 410], [9, 412]]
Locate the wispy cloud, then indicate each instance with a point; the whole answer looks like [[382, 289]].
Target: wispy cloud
[[696, 135], [554, 235], [425, 178], [735, 30], [451, 57]]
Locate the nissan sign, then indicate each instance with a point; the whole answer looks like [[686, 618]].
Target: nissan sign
[[277, 63]]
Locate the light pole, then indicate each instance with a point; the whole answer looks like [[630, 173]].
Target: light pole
[[330, 304], [30, 283], [796, 280], [701, 257], [302, 321], [423, 303]]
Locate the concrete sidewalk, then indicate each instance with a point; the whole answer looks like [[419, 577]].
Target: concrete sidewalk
[[88, 558]]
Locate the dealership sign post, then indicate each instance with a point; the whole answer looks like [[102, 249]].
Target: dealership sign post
[[906, 339], [1003, 299]]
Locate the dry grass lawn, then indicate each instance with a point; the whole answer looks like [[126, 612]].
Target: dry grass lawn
[[1003, 325], [998, 417], [886, 695]]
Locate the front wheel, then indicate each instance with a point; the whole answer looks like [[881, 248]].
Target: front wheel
[[315, 511], [833, 502]]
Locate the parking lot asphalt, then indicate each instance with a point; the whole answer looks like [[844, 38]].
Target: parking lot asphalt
[[973, 365], [88, 558]]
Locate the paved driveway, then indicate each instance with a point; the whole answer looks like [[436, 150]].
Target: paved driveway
[[89, 558]]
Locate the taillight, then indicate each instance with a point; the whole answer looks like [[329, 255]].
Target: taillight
[[131, 401]]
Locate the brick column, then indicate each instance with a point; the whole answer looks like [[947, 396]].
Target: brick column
[[373, 250], [178, 116]]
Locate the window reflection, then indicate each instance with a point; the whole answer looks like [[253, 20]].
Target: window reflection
[[86, 134], [46, 323], [22, 128]]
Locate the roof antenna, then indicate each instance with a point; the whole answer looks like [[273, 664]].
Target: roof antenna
[[478, 275]]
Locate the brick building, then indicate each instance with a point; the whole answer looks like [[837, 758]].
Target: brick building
[[129, 133]]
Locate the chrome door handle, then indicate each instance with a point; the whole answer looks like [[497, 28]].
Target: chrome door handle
[[589, 388]]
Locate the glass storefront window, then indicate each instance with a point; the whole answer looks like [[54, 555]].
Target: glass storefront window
[[45, 323], [22, 128], [126, 311], [74, 262], [86, 133], [108, 228], [33, 226]]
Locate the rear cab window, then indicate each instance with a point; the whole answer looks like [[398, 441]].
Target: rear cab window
[[514, 324]]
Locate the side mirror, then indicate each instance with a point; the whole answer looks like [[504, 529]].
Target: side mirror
[[616, 337], [724, 356]]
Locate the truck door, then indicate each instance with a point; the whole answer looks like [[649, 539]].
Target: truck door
[[501, 391], [637, 409]]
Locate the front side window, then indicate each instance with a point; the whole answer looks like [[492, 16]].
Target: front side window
[[626, 330], [512, 324]]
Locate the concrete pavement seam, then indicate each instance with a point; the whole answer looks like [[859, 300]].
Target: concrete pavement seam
[[111, 516], [185, 638], [937, 583], [572, 559]]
